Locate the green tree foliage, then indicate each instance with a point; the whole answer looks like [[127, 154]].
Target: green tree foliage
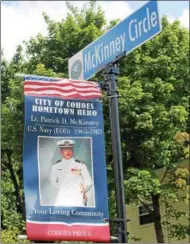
[[153, 85], [65, 38], [5, 76], [153, 109], [13, 211]]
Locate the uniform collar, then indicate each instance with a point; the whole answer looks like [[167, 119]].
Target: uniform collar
[[67, 161]]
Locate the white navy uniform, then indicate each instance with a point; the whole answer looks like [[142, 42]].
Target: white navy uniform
[[69, 175]]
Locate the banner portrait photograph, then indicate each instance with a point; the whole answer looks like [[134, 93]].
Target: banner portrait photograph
[[65, 172]]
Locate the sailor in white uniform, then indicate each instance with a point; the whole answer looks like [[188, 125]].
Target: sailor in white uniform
[[71, 176]]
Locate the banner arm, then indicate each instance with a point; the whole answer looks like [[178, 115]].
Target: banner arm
[[19, 75], [113, 239]]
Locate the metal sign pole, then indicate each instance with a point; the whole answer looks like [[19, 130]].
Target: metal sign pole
[[110, 73]]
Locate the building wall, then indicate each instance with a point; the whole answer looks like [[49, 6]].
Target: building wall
[[146, 232]]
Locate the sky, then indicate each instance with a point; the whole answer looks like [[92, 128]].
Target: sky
[[21, 20]]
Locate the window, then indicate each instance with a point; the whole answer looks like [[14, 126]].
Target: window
[[144, 216]]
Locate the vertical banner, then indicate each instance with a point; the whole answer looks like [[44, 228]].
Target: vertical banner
[[64, 161]]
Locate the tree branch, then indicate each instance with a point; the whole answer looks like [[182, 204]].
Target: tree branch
[[146, 206], [20, 203], [165, 173]]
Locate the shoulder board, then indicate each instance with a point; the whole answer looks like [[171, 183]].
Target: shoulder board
[[78, 161], [57, 161]]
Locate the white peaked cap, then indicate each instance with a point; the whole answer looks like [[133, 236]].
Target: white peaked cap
[[65, 143]]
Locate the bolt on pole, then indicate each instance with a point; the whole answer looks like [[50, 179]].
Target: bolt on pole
[[110, 73]]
